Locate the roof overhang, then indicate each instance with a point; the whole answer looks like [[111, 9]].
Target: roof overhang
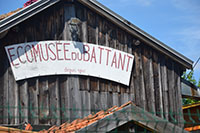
[[40, 5]]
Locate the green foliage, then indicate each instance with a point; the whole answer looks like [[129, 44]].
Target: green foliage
[[190, 77], [187, 101]]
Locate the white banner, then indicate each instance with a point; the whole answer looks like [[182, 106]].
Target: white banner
[[44, 58]]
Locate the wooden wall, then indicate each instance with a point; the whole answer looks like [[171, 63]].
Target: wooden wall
[[154, 86]]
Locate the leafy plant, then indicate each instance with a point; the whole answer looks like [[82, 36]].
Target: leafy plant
[[190, 77]]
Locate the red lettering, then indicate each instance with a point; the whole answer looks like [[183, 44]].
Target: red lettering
[[114, 61], [100, 54], [52, 51], [11, 59], [19, 55], [73, 56], [46, 52], [36, 52], [108, 51], [66, 50], [86, 52], [129, 57], [26, 51], [120, 61], [79, 56], [58, 50], [93, 55]]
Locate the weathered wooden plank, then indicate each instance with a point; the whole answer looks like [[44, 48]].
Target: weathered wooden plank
[[69, 12], [111, 35], [109, 100], [132, 89], [148, 79], [74, 98], [101, 31], [64, 99], [33, 89], [83, 83], [94, 101], [103, 101], [102, 85], [85, 103], [126, 43], [171, 95], [13, 98], [43, 101], [124, 98], [116, 101], [157, 85], [5, 93], [91, 27], [142, 91], [96, 29], [54, 100], [24, 100], [94, 84], [178, 96], [136, 75], [177, 106], [164, 87]]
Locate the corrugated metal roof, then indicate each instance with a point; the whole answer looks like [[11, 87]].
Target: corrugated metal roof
[[40, 5]]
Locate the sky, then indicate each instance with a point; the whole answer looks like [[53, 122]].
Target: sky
[[174, 22]]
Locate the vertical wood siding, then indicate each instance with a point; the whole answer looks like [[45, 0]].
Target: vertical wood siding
[[154, 84]]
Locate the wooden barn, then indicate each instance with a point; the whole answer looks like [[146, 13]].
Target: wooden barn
[[55, 88]]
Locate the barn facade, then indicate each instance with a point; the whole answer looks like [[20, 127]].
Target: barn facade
[[155, 80]]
